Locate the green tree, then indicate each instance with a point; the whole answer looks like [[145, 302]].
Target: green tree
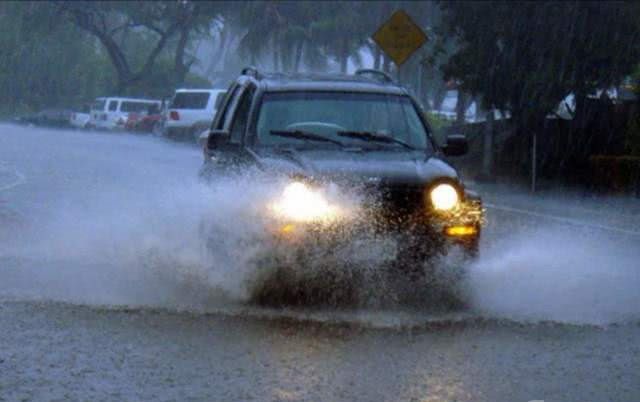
[[525, 57], [160, 25], [44, 62]]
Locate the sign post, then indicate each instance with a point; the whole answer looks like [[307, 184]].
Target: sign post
[[534, 156]]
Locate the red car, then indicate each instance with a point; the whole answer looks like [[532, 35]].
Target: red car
[[144, 122], [132, 121]]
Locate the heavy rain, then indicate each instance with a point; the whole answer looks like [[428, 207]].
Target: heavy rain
[[309, 201]]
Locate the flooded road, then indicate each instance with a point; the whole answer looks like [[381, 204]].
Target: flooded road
[[60, 352], [108, 292]]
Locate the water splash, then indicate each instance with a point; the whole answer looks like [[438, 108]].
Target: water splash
[[123, 221], [557, 273]]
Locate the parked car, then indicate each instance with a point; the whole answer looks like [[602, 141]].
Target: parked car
[[47, 118], [112, 113], [80, 119], [191, 111], [146, 121], [327, 135], [132, 120]]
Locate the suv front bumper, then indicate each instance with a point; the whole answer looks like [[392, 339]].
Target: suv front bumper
[[433, 229]]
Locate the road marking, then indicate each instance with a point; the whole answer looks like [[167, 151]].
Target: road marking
[[20, 178], [561, 219]]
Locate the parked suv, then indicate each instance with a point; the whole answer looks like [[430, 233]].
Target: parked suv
[[112, 113], [333, 134], [80, 119], [190, 112]]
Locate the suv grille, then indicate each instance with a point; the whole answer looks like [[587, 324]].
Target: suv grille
[[394, 204]]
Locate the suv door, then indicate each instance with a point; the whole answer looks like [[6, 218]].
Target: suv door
[[227, 154], [111, 116]]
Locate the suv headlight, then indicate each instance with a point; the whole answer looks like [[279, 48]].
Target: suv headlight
[[444, 197], [300, 203]]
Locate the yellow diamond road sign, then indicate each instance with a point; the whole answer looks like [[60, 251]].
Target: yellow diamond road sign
[[399, 37]]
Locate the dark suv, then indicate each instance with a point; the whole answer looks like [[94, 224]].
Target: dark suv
[[329, 135]]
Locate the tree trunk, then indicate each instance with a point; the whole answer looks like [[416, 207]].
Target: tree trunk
[[117, 59], [438, 97], [120, 87], [83, 17], [180, 68], [577, 125], [219, 52]]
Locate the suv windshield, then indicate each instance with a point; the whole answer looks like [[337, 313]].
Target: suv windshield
[[190, 100], [331, 114]]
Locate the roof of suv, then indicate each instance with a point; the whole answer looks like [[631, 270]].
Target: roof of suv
[[198, 90], [119, 98], [329, 82]]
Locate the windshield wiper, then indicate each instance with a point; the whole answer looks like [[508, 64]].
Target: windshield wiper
[[304, 135], [379, 137]]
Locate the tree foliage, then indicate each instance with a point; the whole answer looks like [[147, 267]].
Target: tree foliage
[[519, 56], [526, 57], [44, 62], [115, 23]]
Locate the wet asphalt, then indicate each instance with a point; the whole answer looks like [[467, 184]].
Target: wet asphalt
[[54, 351]]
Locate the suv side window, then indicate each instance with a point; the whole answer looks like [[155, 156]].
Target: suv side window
[[219, 100], [226, 106], [113, 105], [241, 115]]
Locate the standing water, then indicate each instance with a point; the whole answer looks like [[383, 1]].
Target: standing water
[[122, 220]]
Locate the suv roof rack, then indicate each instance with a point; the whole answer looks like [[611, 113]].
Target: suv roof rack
[[381, 75], [252, 71]]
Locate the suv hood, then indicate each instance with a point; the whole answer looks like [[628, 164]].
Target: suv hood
[[391, 167]]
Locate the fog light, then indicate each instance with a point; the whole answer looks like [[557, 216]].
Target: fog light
[[461, 231], [287, 229]]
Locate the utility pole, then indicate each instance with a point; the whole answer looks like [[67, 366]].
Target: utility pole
[[422, 85], [487, 157], [533, 161]]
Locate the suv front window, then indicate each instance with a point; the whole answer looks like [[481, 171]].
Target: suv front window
[[330, 113]]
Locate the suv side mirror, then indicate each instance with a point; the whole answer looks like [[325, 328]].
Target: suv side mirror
[[457, 145], [203, 138], [214, 138]]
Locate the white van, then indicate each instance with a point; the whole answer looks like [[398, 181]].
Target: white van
[[112, 113], [191, 111]]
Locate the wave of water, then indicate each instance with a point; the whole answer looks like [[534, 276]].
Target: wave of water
[[131, 225], [556, 273]]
